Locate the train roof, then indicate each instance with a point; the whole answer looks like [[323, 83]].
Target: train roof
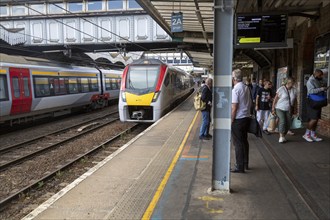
[[35, 61], [5, 58], [147, 61]]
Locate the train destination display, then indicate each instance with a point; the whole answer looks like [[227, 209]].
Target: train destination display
[[261, 30]]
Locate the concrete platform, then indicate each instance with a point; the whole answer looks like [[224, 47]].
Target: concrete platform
[[286, 181]]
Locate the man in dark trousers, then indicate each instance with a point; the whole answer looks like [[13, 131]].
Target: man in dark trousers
[[240, 114], [206, 113]]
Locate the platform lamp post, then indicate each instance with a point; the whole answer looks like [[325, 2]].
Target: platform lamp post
[[223, 55]]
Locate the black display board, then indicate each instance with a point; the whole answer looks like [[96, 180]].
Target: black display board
[[260, 30]]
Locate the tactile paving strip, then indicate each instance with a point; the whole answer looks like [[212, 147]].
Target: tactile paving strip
[[136, 200]]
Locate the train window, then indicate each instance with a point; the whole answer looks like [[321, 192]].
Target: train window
[[119, 83], [84, 85], [114, 84], [3, 88], [107, 84], [73, 85], [26, 87], [167, 79], [17, 91], [94, 84], [59, 86], [142, 77], [41, 86]]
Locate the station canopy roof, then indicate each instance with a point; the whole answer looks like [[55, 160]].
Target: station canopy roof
[[198, 21]]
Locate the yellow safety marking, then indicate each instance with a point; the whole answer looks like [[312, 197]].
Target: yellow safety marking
[[78, 74], [208, 199], [188, 156], [3, 71], [140, 100], [44, 73], [152, 205], [249, 40]]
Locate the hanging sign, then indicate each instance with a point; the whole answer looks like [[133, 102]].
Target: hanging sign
[[177, 22]]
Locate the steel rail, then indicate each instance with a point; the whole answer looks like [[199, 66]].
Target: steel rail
[[35, 184], [19, 145], [51, 147]]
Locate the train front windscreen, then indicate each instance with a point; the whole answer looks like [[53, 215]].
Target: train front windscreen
[[142, 79]]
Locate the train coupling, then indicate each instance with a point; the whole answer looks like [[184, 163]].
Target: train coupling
[[138, 114]]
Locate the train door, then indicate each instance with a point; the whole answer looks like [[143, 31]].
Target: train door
[[20, 90]]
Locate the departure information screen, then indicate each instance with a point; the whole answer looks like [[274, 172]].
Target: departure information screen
[[261, 30]]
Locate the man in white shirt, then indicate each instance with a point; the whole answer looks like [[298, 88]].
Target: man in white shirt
[[240, 113]]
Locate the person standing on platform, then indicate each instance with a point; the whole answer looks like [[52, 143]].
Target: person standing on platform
[[203, 84], [248, 83], [314, 85], [282, 107], [206, 113], [263, 103], [240, 117], [256, 90]]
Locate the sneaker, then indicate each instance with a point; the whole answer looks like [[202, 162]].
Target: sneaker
[[204, 138], [282, 140], [308, 138], [316, 138], [290, 133], [266, 132], [209, 136]]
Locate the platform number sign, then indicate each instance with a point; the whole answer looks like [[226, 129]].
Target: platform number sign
[[177, 22]]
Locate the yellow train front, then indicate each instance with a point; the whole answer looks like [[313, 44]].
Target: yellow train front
[[149, 89]]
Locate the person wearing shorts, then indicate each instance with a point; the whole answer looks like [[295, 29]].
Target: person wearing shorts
[[314, 85]]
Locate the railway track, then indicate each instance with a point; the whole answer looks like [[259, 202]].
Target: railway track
[[28, 149], [51, 173], [7, 128], [8, 148]]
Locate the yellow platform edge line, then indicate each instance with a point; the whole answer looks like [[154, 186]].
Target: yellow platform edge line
[[152, 205]]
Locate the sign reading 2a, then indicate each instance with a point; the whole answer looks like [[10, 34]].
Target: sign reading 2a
[[177, 22]]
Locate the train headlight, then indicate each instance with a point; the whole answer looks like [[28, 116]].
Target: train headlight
[[123, 96], [154, 99]]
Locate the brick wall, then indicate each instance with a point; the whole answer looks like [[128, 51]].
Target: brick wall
[[304, 38], [324, 124]]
